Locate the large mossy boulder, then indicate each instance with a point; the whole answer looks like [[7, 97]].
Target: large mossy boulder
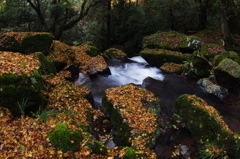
[[132, 111], [197, 66], [115, 53], [88, 64], [171, 41], [230, 54], [61, 55], [21, 83], [26, 42], [159, 56], [228, 74], [208, 128]]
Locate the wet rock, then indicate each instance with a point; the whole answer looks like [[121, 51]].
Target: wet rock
[[184, 152], [159, 56], [214, 89], [207, 127], [228, 74], [25, 42]]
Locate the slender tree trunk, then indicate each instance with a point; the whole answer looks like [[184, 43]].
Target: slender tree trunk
[[224, 25]]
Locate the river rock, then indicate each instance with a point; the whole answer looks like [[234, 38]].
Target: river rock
[[159, 56], [207, 127], [228, 74], [25, 42], [214, 89], [132, 111], [21, 83]]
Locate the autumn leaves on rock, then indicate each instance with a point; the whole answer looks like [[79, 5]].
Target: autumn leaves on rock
[[133, 114]]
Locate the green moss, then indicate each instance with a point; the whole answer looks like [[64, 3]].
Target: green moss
[[121, 128], [37, 43], [47, 67], [191, 43], [14, 88], [115, 53], [92, 51], [97, 147], [159, 56], [211, 50], [65, 139]]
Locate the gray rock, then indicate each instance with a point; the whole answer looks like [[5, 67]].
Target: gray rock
[[184, 152], [213, 89]]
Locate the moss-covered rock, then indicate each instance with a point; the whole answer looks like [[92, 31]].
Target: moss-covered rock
[[133, 114], [26, 42], [97, 147], [172, 41], [207, 126], [65, 139], [211, 50], [159, 56], [91, 50], [197, 66], [163, 40], [20, 82], [172, 68], [89, 65], [46, 66], [190, 43], [228, 74], [230, 54], [61, 55], [115, 53]]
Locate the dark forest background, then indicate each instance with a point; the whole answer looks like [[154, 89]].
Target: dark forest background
[[120, 23]]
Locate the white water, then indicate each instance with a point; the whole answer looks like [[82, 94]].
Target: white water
[[133, 71]]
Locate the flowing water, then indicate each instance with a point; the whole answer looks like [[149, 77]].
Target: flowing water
[[166, 87]]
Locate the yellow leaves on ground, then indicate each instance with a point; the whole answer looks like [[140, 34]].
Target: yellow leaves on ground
[[17, 63]]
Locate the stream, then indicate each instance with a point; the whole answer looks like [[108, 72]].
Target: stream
[[166, 87]]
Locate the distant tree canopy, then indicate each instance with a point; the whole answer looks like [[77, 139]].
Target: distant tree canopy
[[124, 22]]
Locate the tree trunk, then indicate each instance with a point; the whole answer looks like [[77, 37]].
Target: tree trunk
[[224, 25], [108, 23]]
